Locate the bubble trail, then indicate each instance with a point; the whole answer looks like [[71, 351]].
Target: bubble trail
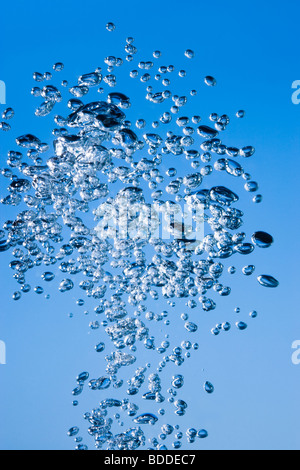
[[111, 210]]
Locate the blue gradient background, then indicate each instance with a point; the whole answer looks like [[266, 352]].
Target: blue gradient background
[[252, 50]]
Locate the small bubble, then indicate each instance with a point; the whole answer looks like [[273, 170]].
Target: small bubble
[[226, 326], [189, 54], [257, 198], [48, 276], [110, 27], [39, 290], [17, 296], [240, 114], [73, 431], [58, 67], [47, 76], [202, 434], [248, 270], [253, 314], [262, 239], [251, 186], [210, 81], [266, 280], [140, 123], [208, 387], [26, 288], [4, 126], [8, 114], [38, 77]]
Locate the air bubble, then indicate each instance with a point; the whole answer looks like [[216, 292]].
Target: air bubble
[[266, 280], [210, 81], [110, 27], [189, 54], [58, 67]]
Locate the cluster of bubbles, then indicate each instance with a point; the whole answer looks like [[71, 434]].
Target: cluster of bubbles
[[7, 115], [95, 151]]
